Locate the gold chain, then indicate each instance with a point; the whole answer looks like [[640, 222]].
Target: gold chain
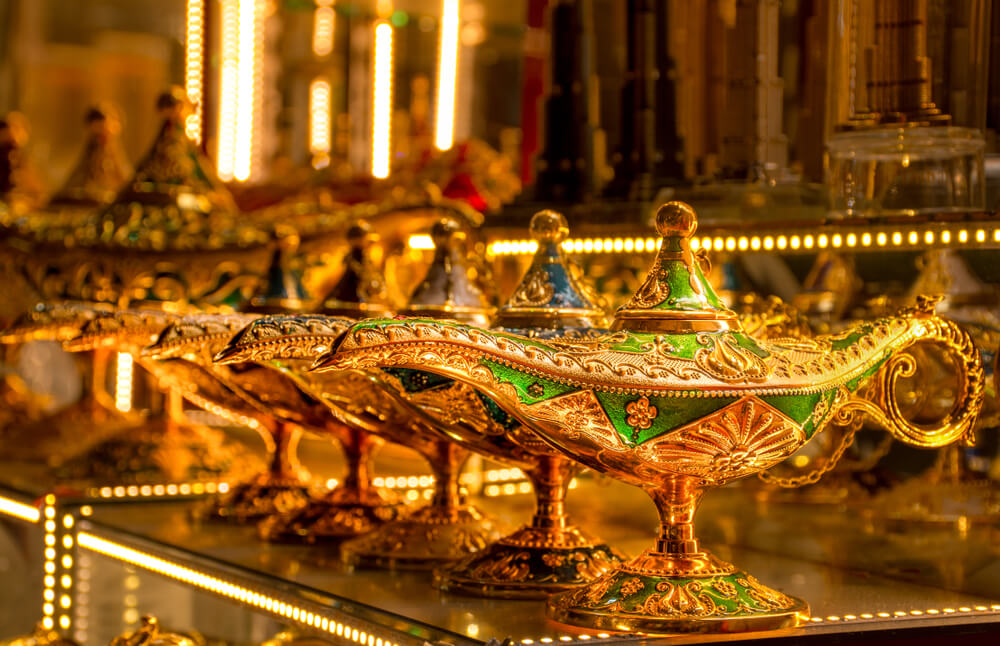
[[868, 462], [814, 476]]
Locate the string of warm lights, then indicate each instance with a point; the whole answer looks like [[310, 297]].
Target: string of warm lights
[[382, 100], [194, 56], [123, 382], [57, 567], [444, 122], [229, 53], [320, 123], [81, 594], [159, 490], [900, 614], [323, 28], [246, 99], [861, 239], [287, 610]]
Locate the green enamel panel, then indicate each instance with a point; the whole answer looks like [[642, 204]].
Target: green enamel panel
[[729, 595], [684, 345], [747, 343], [710, 294], [384, 324], [671, 413], [530, 389], [855, 383], [852, 338], [797, 407], [496, 413]]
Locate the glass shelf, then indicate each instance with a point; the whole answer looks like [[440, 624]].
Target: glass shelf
[[860, 577]]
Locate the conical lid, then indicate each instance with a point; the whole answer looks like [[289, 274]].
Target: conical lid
[[282, 290], [103, 167], [675, 297], [550, 295], [174, 200], [447, 289], [360, 292]]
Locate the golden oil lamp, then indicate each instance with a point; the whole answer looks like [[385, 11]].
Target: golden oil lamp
[[355, 506], [181, 357], [447, 528], [40, 636], [165, 446], [550, 554], [56, 436], [150, 633], [677, 399]]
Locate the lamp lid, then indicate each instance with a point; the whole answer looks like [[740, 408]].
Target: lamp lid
[[675, 297], [550, 295]]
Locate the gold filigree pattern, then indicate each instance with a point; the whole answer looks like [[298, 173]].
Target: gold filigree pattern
[[510, 567], [198, 336], [653, 291], [721, 368], [288, 337], [581, 416], [743, 438], [534, 291], [640, 413], [726, 360]]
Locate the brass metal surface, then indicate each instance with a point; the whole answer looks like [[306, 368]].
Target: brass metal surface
[[678, 412]]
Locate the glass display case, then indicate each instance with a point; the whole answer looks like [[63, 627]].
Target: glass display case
[[396, 243], [865, 580]]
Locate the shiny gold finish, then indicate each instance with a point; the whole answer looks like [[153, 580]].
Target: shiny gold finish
[[56, 437], [355, 506], [150, 634], [40, 636], [443, 531], [181, 358], [163, 448], [737, 406]]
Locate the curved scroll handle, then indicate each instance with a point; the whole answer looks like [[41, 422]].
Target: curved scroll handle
[[879, 403]]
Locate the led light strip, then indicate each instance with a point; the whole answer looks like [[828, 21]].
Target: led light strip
[[230, 590], [49, 566], [158, 491], [965, 235], [245, 89], [444, 123], [323, 25], [194, 55], [382, 100], [865, 616], [123, 382], [20, 510], [320, 121], [229, 19], [901, 614], [58, 562]]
